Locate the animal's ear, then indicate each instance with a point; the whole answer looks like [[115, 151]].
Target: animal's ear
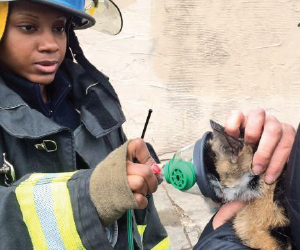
[[227, 143]]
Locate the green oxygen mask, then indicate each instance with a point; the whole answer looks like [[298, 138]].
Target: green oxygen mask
[[180, 170], [189, 166]]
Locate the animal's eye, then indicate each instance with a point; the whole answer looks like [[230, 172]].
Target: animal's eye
[[224, 148]]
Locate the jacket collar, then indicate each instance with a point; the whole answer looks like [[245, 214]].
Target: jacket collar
[[19, 120], [31, 94], [100, 112]]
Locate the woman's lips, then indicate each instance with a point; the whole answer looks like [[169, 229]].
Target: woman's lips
[[47, 67]]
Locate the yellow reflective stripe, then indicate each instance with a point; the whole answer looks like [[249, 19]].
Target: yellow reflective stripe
[[64, 212], [24, 193], [49, 224], [141, 229], [163, 245]]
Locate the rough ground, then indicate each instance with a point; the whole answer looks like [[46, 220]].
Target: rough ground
[[184, 215]]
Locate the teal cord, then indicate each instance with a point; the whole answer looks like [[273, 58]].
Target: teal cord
[[129, 230]]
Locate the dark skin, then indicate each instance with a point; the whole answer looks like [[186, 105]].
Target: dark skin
[[141, 178], [33, 47], [34, 43]]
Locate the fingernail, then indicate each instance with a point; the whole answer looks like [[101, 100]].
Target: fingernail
[[257, 169], [156, 169], [269, 178]]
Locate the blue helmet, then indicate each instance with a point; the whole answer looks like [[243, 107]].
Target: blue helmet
[[86, 12]]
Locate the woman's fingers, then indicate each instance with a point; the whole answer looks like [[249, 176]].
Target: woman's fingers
[[226, 213], [139, 189], [273, 149], [141, 179], [137, 151], [254, 125], [145, 172], [141, 200], [235, 120], [280, 154], [269, 140], [274, 140], [137, 184]]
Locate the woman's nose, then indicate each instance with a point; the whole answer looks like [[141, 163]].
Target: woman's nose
[[48, 42]]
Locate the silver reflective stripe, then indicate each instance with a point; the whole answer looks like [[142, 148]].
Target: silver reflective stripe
[[92, 85], [45, 211], [13, 107]]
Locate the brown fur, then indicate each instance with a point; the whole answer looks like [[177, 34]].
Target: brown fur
[[254, 223], [231, 169], [261, 214]]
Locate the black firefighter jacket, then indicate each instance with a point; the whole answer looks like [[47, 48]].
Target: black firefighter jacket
[[48, 206]]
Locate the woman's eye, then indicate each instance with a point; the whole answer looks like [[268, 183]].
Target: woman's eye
[[28, 28], [60, 29]]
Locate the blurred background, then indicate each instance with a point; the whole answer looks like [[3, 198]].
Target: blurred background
[[191, 61]]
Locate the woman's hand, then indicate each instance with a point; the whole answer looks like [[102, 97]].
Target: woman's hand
[[275, 141], [141, 179], [227, 212]]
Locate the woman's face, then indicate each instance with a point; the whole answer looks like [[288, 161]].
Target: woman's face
[[34, 42]]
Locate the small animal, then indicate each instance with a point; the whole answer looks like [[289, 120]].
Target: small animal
[[263, 222]]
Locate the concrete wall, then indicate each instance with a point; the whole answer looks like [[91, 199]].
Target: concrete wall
[[191, 61]]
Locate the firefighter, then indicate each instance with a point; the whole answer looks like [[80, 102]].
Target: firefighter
[[69, 177]]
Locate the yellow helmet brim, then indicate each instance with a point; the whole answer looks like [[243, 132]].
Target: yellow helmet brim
[[3, 17]]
